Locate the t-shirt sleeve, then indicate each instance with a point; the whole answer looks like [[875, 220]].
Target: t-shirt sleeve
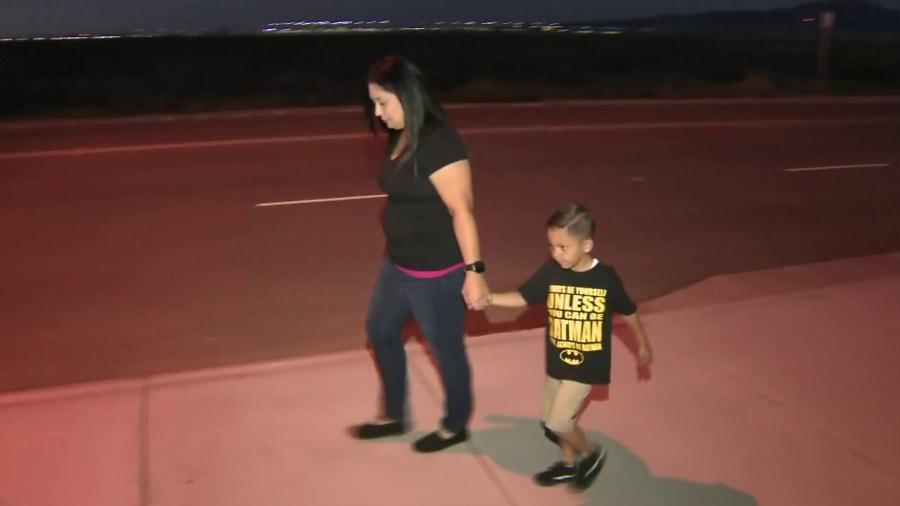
[[438, 148], [621, 302], [534, 289]]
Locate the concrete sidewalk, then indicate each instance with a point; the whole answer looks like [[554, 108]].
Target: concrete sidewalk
[[776, 387]]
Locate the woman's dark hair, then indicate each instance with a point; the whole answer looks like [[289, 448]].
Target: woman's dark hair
[[403, 78], [575, 218]]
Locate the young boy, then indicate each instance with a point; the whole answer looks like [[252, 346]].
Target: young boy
[[581, 296]]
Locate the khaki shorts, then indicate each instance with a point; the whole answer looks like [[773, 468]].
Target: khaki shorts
[[562, 400]]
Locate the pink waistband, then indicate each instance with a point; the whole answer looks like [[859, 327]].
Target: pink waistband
[[430, 274]]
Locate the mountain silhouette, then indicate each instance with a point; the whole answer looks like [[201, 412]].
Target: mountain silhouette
[[859, 19]]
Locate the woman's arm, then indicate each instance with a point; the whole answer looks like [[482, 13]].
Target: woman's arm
[[454, 184]]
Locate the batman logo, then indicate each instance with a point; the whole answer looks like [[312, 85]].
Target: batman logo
[[572, 357]]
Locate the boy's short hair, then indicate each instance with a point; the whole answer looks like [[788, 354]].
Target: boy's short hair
[[575, 218]]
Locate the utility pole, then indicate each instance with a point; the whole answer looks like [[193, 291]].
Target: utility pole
[[826, 23]]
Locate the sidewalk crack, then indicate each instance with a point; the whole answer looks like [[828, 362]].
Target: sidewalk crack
[[144, 444], [436, 396]]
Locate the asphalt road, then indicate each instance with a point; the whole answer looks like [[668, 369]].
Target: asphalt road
[[139, 246]]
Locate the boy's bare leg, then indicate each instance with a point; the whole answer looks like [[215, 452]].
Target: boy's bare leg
[[567, 453], [556, 474], [572, 444], [588, 458]]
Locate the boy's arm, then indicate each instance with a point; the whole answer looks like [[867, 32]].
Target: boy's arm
[[645, 353], [533, 289], [507, 299]]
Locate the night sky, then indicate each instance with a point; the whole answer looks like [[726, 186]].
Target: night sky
[[30, 17]]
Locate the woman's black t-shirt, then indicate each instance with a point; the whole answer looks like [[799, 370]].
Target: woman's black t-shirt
[[418, 228]]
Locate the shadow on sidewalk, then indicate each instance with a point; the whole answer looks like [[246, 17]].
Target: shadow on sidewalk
[[519, 446]]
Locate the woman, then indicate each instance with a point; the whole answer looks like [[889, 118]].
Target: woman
[[433, 252]]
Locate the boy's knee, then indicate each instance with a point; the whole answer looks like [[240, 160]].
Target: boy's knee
[[549, 434]]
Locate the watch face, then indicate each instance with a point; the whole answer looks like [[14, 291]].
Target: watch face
[[475, 266]]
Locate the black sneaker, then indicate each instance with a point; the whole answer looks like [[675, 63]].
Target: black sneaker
[[377, 430], [555, 474], [589, 467]]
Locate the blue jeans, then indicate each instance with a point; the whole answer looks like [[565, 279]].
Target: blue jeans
[[437, 305]]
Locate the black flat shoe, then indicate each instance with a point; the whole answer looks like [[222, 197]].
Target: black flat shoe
[[377, 430], [434, 442]]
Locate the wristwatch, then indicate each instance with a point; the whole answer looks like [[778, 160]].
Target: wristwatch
[[477, 266]]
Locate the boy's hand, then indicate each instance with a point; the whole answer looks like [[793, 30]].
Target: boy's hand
[[645, 356]]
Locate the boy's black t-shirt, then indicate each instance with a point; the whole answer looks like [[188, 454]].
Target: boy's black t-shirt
[[417, 226], [580, 306]]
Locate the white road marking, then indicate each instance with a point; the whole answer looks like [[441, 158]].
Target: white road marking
[[586, 102], [180, 145], [317, 201], [585, 127], [837, 167]]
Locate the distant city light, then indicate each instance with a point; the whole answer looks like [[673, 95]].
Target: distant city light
[[808, 20], [300, 27], [320, 26]]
